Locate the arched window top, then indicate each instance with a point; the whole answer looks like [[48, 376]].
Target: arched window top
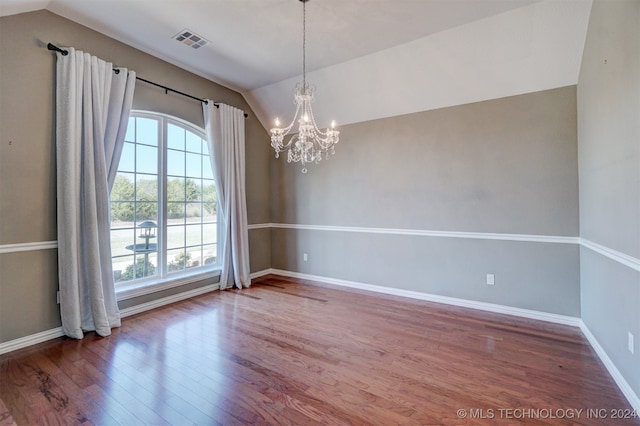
[[170, 118]]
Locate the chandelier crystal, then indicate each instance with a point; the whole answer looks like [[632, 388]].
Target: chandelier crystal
[[310, 143]]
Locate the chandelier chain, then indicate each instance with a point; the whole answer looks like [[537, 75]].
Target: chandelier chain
[[304, 44]]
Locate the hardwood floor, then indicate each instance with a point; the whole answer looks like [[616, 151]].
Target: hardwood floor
[[285, 352]]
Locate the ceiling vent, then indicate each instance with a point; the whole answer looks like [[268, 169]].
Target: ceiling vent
[[191, 39]]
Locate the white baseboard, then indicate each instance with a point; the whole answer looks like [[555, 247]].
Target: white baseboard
[[465, 303], [262, 273], [628, 392], [23, 342]]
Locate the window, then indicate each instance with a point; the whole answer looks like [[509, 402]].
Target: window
[[163, 203]]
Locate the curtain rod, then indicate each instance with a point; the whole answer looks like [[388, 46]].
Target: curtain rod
[[55, 48]]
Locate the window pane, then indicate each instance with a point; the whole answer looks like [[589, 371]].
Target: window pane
[[153, 260], [194, 235], [194, 254], [177, 260], [122, 213], [175, 163], [209, 233], [143, 268], [146, 159], [194, 165], [210, 198], [175, 212], [193, 189], [131, 130], [194, 142], [122, 189], [120, 239], [146, 211], [147, 188], [120, 266], [209, 253], [127, 158], [194, 213], [175, 137], [175, 236], [207, 172], [147, 131], [175, 189], [205, 147]]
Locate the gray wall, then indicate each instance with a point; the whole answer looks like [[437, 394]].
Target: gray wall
[[502, 166], [507, 165], [609, 164], [28, 280]]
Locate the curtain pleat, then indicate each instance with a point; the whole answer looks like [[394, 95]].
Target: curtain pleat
[[122, 87], [92, 109], [226, 139]]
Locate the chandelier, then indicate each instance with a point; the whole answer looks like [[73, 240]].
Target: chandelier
[[310, 143]]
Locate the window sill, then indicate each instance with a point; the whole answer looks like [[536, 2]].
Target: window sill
[[129, 291]]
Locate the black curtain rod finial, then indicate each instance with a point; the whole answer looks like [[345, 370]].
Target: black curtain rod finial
[[57, 49]]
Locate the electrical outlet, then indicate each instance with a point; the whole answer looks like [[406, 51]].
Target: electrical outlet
[[58, 297], [630, 345], [491, 279], [305, 257]]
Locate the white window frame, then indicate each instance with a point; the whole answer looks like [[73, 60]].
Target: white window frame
[[167, 279]]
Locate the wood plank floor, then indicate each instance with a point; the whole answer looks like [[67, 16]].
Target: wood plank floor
[[292, 352]]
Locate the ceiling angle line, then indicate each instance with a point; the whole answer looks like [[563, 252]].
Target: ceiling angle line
[[55, 48]]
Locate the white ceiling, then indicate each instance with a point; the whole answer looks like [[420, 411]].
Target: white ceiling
[[367, 58]]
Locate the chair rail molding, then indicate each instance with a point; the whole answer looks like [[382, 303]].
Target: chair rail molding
[[18, 247], [622, 258], [625, 259], [433, 233]]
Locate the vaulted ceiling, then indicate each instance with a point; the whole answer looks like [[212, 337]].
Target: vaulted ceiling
[[367, 58]]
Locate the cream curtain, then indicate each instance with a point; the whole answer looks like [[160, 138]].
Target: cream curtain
[[92, 111], [225, 134]]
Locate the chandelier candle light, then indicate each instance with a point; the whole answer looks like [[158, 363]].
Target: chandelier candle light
[[310, 143]]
